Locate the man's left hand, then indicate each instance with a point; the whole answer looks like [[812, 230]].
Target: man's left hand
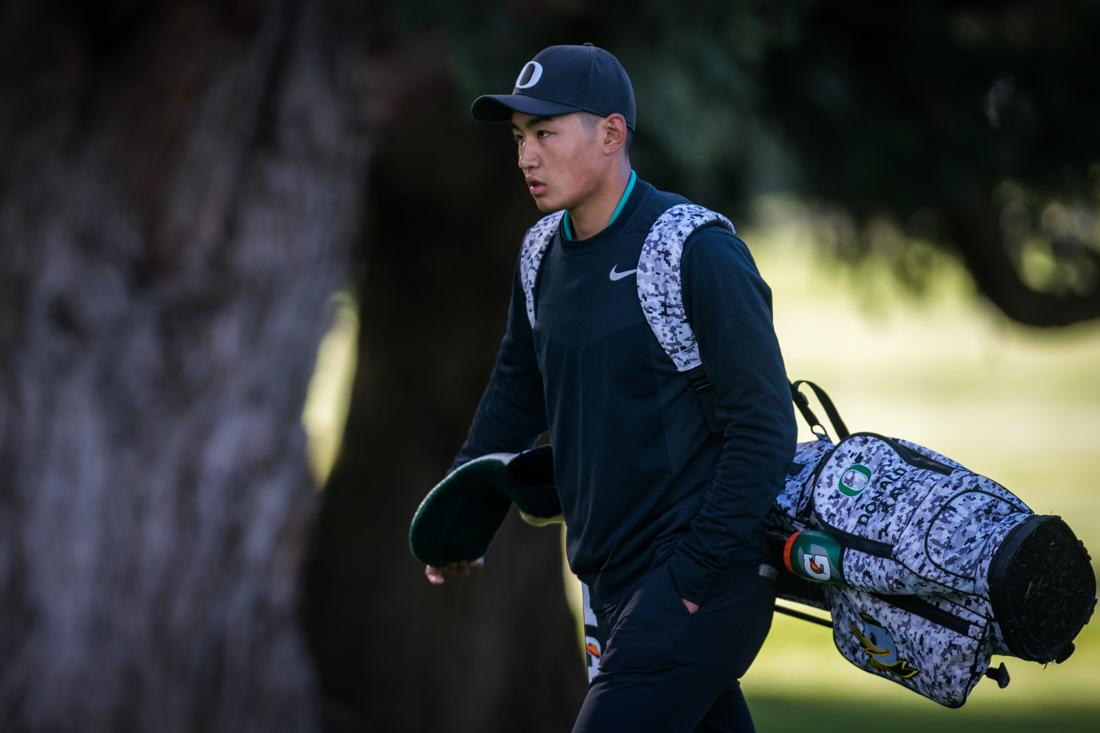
[[691, 607]]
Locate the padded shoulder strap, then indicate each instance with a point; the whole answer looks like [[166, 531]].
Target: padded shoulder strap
[[535, 243], [659, 284]]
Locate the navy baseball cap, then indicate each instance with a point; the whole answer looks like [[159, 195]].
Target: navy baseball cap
[[561, 80]]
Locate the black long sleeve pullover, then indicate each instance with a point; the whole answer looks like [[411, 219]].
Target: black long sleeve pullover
[[642, 477]]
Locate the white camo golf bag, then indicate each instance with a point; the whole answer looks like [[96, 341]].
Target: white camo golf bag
[[927, 568]]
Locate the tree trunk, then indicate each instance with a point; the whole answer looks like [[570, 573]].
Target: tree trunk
[[497, 651], [178, 188]]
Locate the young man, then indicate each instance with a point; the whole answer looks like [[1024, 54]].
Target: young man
[[663, 493]]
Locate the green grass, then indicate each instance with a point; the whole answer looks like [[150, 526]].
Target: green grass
[[814, 714]]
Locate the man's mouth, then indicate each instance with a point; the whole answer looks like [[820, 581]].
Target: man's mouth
[[535, 186]]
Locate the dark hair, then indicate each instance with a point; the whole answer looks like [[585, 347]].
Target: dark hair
[[590, 120]]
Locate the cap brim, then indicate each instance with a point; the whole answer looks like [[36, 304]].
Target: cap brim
[[499, 107]]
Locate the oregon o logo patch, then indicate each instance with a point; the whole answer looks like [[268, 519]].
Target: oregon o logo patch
[[854, 479], [529, 75]]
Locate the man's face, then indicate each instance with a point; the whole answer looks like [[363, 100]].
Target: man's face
[[560, 157]]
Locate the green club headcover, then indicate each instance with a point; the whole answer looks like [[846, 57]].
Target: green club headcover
[[460, 515]]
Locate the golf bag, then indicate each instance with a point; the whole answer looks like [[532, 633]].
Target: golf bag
[[927, 568]]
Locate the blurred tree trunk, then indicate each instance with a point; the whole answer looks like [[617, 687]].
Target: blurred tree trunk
[[179, 183], [497, 651]]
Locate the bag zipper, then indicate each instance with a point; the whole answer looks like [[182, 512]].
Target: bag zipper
[[927, 611], [913, 458], [855, 542]]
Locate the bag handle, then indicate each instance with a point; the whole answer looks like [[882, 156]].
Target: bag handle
[[803, 406]]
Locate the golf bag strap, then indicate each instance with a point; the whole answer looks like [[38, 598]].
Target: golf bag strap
[[705, 392], [803, 405], [535, 243], [660, 283], [802, 615]]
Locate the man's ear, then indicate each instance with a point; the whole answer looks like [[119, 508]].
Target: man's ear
[[614, 131]]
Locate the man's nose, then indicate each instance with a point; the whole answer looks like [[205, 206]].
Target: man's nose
[[527, 157]]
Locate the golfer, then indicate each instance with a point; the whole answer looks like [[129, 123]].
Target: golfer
[[663, 493]]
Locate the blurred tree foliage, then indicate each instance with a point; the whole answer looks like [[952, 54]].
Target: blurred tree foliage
[[969, 125]]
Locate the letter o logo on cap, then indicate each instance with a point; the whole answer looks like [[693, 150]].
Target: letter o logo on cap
[[529, 75]]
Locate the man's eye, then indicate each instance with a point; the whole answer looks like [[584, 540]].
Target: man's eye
[[543, 134], [517, 139]]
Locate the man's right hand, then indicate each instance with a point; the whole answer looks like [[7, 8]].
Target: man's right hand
[[465, 567]]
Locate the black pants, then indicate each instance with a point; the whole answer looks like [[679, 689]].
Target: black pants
[[665, 670]]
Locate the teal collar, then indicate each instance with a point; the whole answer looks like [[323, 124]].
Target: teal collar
[[614, 215]]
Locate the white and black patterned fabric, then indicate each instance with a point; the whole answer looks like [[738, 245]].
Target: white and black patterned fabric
[[941, 567], [793, 500], [922, 521], [535, 243], [660, 289], [941, 658]]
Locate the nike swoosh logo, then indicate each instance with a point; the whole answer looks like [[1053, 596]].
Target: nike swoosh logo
[[615, 275]]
